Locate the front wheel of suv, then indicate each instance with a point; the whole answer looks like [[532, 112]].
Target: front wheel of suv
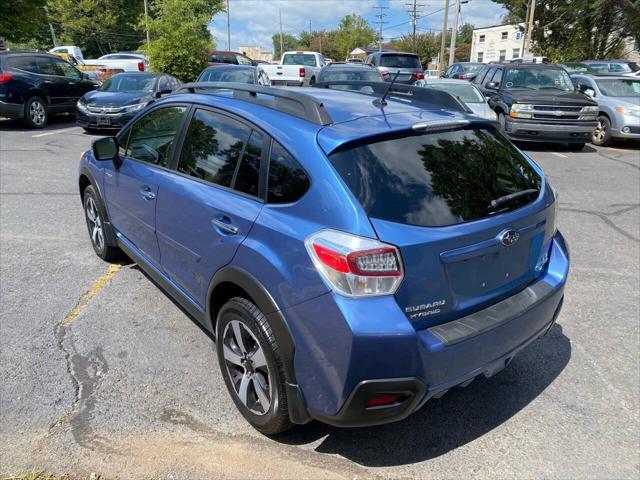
[[251, 365], [35, 113]]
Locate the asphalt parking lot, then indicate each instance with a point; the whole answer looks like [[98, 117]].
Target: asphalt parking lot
[[101, 372]]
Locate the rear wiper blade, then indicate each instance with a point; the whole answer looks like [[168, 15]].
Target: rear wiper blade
[[511, 197]]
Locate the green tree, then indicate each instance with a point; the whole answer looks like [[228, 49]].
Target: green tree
[[98, 26], [354, 31], [427, 45], [180, 37], [289, 42], [579, 29], [465, 33], [21, 20]]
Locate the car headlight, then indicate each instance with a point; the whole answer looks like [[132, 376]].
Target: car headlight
[[135, 108], [81, 106], [631, 112], [590, 109], [521, 110]]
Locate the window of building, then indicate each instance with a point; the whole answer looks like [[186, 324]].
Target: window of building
[[504, 35], [480, 56], [503, 55], [481, 39], [515, 53]]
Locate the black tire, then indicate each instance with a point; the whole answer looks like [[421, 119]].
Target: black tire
[[256, 335], [501, 122], [312, 81], [95, 217], [35, 113], [602, 134], [576, 147]]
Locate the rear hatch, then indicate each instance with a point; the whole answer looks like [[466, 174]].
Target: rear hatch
[[471, 215], [408, 66]]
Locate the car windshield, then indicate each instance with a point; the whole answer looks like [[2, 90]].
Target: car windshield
[[130, 83], [362, 75], [464, 91], [618, 87], [472, 68], [307, 59], [437, 179], [539, 79], [399, 61], [239, 75]]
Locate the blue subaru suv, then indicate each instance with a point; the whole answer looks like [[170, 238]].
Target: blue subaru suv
[[353, 253]]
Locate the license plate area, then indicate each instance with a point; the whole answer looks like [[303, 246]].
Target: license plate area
[[102, 120]]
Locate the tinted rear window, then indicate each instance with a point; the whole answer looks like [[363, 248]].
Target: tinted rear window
[[437, 179], [307, 59], [400, 61]]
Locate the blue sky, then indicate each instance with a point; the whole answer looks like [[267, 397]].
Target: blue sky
[[254, 21]]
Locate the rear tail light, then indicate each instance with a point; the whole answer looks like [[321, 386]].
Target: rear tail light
[[419, 76], [384, 73], [463, 76], [5, 77], [141, 66], [301, 72], [355, 266]]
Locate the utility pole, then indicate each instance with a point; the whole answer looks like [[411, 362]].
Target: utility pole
[[53, 32], [454, 31], [228, 28], [380, 16], [413, 13], [527, 38], [281, 43], [146, 21], [441, 62], [309, 30]]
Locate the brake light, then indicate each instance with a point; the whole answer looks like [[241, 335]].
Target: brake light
[[5, 77], [301, 72], [141, 66], [419, 76], [355, 266], [384, 73]]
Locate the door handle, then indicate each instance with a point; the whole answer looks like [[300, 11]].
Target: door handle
[[147, 194], [224, 224]]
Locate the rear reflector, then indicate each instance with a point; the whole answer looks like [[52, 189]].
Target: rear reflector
[[383, 400], [5, 77], [141, 66]]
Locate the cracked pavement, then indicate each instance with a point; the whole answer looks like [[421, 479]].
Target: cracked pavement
[[101, 372]]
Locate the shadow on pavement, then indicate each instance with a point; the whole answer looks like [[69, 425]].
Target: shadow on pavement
[[554, 147], [56, 122], [460, 417]]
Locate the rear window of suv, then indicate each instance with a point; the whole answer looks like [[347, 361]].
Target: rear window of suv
[[438, 179], [400, 61]]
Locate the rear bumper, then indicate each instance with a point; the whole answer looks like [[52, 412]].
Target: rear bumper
[[286, 83], [11, 110], [545, 132], [349, 351]]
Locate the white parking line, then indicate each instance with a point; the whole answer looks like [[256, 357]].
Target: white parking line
[[558, 154], [53, 132]]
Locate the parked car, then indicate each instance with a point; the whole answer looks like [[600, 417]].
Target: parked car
[[34, 85], [431, 74], [576, 67], [463, 70], [66, 50], [125, 61], [465, 92], [530, 60], [615, 67], [353, 258], [538, 103], [618, 103], [235, 73], [233, 58], [389, 63], [349, 71], [121, 97], [355, 60], [296, 69]]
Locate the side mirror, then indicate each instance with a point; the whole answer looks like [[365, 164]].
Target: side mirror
[[166, 91], [493, 85], [106, 149]]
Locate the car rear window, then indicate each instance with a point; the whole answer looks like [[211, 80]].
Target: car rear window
[[400, 61], [438, 179], [307, 59]]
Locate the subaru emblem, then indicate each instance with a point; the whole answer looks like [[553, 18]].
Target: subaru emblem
[[509, 237]]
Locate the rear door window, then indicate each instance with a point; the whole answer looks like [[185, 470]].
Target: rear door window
[[438, 179], [23, 62]]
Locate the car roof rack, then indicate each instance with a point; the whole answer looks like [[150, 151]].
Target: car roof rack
[[418, 96], [292, 102]]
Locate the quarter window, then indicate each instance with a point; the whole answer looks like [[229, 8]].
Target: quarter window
[[151, 137], [287, 180], [212, 147], [248, 176]]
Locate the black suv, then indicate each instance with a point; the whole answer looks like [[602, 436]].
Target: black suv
[[33, 85], [538, 103]]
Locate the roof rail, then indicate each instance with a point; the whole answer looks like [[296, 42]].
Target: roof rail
[[289, 101], [403, 93]]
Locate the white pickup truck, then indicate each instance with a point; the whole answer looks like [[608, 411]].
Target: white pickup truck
[[295, 69], [124, 61]]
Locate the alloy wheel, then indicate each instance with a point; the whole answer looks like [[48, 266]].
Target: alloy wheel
[[37, 112], [247, 367], [95, 223], [601, 131]]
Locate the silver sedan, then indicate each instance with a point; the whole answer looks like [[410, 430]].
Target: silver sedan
[[465, 92]]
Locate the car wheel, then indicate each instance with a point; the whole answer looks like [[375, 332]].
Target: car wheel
[[35, 113], [312, 81], [602, 134], [96, 225], [576, 147], [501, 121], [251, 365]]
